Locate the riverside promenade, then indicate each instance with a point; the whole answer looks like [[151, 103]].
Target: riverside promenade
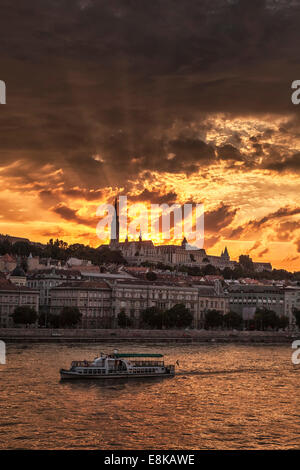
[[47, 335]]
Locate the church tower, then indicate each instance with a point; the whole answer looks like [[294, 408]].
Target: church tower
[[225, 254], [115, 227], [184, 243]]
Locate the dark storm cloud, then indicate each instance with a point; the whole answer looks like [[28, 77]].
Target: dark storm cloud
[[219, 218], [229, 152], [71, 215], [288, 164], [154, 197], [111, 78], [273, 216]]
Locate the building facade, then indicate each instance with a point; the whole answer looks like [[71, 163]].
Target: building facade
[[133, 296], [92, 298], [210, 298], [45, 279], [12, 296], [291, 303], [245, 299]]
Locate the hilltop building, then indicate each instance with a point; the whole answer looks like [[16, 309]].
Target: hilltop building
[[139, 251]]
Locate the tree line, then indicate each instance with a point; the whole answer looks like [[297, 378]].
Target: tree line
[[60, 250], [152, 317]]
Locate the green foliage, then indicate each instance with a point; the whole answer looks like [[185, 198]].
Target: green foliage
[[178, 317], [48, 320], [209, 269], [151, 276], [283, 322], [296, 314], [233, 320], [213, 319], [265, 318], [123, 320], [153, 317], [24, 314], [69, 317]]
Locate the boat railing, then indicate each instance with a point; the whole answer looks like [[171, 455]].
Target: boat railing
[[82, 364], [147, 363]]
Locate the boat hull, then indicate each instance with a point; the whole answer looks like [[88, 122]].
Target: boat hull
[[69, 375]]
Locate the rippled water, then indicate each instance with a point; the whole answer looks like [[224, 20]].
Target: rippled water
[[224, 397]]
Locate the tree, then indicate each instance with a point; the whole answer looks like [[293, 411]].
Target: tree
[[178, 317], [22, 248], [48, 320], [265, 318], [233, 320], [153, 317], [227, 273], [296, 314], [210, 269], [24, 314], [69, 317], [123, 320], [151, 276], [283, 322], [213, 319]]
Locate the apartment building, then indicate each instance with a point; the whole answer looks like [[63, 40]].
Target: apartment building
[[44, 280], [135, 295], [210, 297], [245, 299], [93, 299], [12, 296]]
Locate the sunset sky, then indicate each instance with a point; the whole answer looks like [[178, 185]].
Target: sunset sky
[[164, 101]]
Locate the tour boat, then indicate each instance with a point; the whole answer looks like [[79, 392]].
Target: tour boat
[[111, 366]]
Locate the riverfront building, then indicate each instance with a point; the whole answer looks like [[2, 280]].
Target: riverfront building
[[245, 299], [93, 299], [12, 296], [100, 302], [44, 280], [291, 302]]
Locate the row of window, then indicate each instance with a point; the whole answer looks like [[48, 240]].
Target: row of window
[[10, 299], [235, 300]]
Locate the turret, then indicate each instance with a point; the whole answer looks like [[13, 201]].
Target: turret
[[225, 254], [184, 243]]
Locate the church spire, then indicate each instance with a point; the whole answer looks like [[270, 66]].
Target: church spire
[[115, 225]]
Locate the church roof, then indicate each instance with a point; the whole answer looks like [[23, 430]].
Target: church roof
[[18, 272]]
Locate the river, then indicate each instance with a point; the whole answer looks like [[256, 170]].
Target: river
[[223, 397]]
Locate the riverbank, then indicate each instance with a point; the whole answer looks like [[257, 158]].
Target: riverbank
[[36, 335]]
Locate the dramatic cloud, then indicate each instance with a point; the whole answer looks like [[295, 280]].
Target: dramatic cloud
[[163, 101], [219, 218], [72, 215]]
